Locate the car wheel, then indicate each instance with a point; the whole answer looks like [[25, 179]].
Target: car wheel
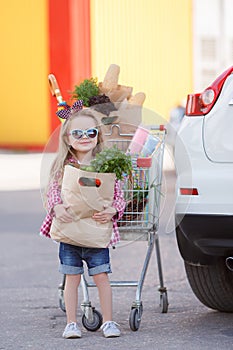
[[212, 284]]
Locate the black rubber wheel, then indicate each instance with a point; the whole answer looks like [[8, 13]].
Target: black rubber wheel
[[61, 299], [134, 319], [212, 284], [163, 302], [97, 321]]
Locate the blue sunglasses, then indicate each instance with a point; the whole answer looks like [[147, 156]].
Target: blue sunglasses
[[78, 133]]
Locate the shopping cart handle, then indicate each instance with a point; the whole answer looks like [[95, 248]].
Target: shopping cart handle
[[159, 127], [162, 127], [54, 88]]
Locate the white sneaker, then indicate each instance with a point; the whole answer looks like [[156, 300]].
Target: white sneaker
[[72, 331], [110, 329]]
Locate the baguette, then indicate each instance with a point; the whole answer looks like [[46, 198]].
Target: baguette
[[111, 77], [137, 99]]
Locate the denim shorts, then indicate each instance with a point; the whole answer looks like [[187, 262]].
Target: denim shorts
[[72, 257]]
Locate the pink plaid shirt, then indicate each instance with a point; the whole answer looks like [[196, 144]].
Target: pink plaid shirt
[[54, 198]]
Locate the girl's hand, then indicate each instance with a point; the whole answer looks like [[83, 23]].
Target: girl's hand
[[61, 213], [104, 216]]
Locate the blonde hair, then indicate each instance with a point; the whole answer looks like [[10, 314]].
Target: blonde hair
[[65, 151]]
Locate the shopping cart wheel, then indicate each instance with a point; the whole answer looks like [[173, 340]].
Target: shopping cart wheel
[[61, 298], [135, 319], [163, 303], [95, 324]]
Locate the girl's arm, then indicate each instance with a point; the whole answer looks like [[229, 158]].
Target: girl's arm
[[55, 205], [53, 196], [118, 206]]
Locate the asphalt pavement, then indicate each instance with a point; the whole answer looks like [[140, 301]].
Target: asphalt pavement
[[30, 317]]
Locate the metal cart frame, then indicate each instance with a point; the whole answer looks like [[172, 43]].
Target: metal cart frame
[[138, 223]]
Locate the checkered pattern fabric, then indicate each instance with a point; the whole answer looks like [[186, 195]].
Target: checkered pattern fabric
[[64, 110]]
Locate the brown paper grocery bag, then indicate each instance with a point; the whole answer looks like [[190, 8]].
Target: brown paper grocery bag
[[129, 118], [116, 94], [86, 193]]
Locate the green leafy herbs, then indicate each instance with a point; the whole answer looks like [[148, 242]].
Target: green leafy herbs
[[85, 90], [112, 160]]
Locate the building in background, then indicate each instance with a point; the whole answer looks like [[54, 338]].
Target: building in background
[[212, 40], [161, 46]]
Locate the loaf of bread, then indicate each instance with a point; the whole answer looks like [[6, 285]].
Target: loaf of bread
[[111, 77], [137, 99], [117, 92]]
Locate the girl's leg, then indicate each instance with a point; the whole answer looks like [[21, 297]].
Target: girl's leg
[[105, 295], [71, 297]]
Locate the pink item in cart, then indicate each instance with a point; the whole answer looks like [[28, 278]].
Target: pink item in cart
[[138, 141]]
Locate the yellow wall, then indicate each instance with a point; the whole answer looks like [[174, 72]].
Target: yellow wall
[[151, 41], [23, 71]]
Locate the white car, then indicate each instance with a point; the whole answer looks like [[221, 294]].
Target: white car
[[204, 193]]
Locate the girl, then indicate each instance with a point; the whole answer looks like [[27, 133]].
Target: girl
[[80, 139]]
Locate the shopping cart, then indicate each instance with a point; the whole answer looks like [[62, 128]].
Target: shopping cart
[[140, 222]]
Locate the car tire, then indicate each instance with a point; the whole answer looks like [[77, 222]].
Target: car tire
[[212, 284]]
